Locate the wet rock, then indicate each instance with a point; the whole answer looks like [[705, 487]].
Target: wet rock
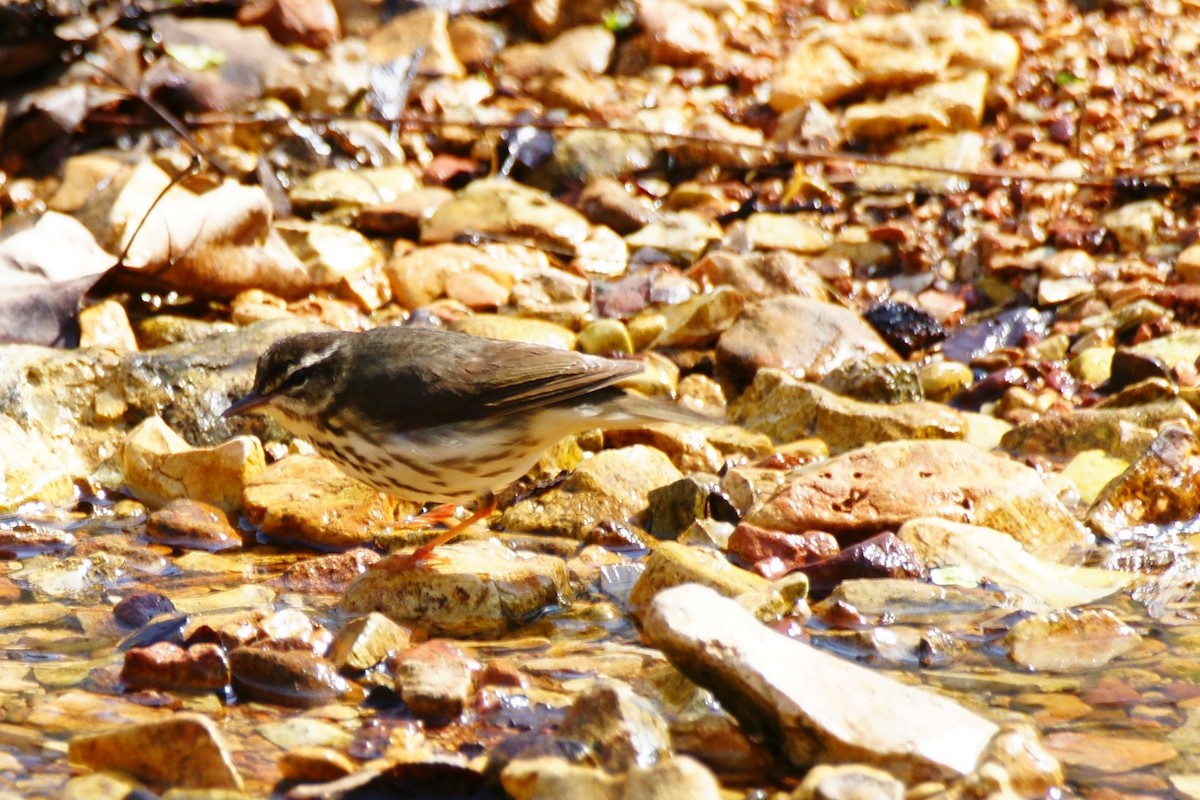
[[186, 750], [786, 232], [950, 104], [908, 602], [614, 485], [435, 679], [553, 295], [1070, 641], [759, 275], [773, 553], [673, 564], [347, 191], [971, 550], [289, 678], [329, 574], [1122, 433], [314, 764], [1103, 754], [787, 409], [906, 328], [506, 211], [136, 610], [547, 776], [192, 524], [846, 781], [1006, 329], [475, 588], [605, 201], [402, 216], [200, 668], [366, 641], [942, 380], [1017, 762], [880, 556], [623, 730], [1157, 488], [805, 338], [678, 777], [159, 466], [1090, 471], [606, 337], [885, 485], [818, 707], [307, 499]]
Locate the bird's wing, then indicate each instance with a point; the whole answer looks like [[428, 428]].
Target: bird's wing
[[407, 378]]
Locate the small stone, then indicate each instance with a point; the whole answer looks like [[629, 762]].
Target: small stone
[[503, 210], [1135, 224], [106, 324], [517, 329], [192, 524], [435, 679], [136, 610], [186, 750], [311, 23], [672, 508], [1156, 489], [606, 337], [199, 668], [289, 678], [942, 380], [773, 553], [848, 782], [366, 641], [698, 322], [623, 729], [424, 29], [677, 777]]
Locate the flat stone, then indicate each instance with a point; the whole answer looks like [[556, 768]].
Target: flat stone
[[805, 338], [473, 587], [952, 104], [186, 750], [477, 277], [818, 707], [883, 486], [426, 29], [1070, 641], [1123, 433], [506, 211], [1003, 562], [307, 499], [787, 409], [192, 524], [366, 641], [1099, 754]]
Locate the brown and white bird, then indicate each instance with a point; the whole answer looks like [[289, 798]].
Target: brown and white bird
[[432, 415]]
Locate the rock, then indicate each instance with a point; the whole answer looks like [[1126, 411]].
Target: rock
[[681, 233], [159, 466], [787, 409], [1123, 433], [285, 677], [1156, 489], [758, 275], [962, 151], [848, 782], [883, 486], [137, 609], [548, 776], [772, 553], [678, 34], [314, 764], [942, 380], [333, 190], [698, 322], [477, 587], [307, 499], [32, 469], [672, 508], [366, 641], [949, 104], [907, 602], [517, 329], [1065, 641], [186, 751], [200, 668], [880, 556], [876, 383], [504, 211], [673, 779], [606, 201], [192, 524], [786, 232], [971, 550], [673, 564], [586, 50], [818, 707], [621, 728], [311, 23], [1101, 754], [1015, 762], [1135, 224], [435, 679], [478, 277], [614, 485], [1090, 471], [106, 324], [403, 34], [606, 337], [803, 337]]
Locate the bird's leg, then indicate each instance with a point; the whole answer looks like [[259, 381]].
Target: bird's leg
[[439, 514], [398, 562]]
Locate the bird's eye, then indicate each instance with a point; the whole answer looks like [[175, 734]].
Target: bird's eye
[[296, 379]]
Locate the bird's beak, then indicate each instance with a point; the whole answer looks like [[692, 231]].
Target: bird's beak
[[246, 404]]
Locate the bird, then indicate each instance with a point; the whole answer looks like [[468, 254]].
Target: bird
[[428, 414]]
